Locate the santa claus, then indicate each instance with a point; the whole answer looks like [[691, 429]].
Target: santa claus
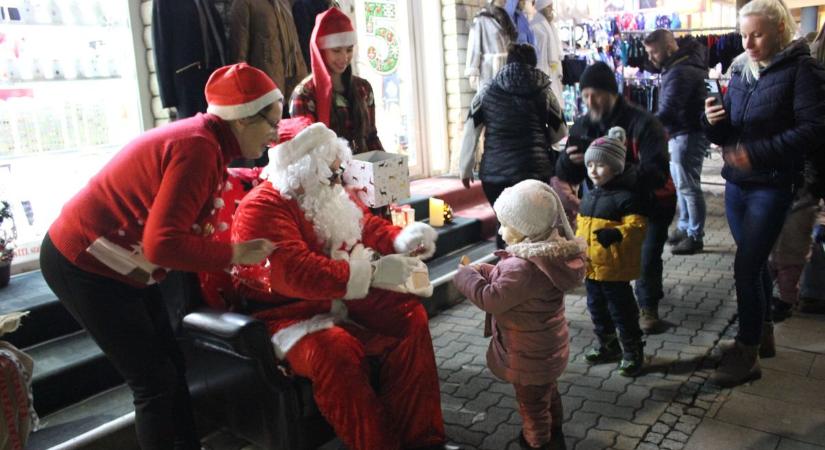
[[334, 276]]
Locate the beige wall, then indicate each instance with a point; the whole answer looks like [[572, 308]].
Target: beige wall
[[159, 113]]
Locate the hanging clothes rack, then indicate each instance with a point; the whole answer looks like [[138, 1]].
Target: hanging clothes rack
[[683, 30]]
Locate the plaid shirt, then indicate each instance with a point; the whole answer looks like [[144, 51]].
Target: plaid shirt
[[302, 103]]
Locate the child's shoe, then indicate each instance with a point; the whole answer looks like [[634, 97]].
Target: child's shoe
[[607, 351], [633, 360]]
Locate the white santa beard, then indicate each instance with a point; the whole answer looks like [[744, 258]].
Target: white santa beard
[[336, 219]]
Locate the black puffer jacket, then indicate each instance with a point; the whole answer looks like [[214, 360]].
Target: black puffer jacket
[[682, 94], [522, 119], [776, 118]]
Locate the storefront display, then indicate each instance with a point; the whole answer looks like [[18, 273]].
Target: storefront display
[[68, 100]]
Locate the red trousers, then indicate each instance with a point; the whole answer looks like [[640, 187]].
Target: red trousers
[[405, 412], [541, 412]]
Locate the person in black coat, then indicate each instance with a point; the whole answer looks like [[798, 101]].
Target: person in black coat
[[303, 13], [773, 113], [647, 149], [522, 119], [188, 40], [681, 102]]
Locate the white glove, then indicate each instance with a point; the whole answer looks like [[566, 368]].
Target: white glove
[[417, 237], [392, 270]]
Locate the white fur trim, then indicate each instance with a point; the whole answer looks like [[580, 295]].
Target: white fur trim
[[335, 40], [304, 142], [413, 235], [286, 338], [555, 247], [248, 109], [360, 275]]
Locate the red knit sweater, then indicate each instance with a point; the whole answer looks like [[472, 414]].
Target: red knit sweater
[[150, 207]]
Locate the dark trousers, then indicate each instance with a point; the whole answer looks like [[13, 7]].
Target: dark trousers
[[755, 217], [649, 288], [131, 326], [612, 307], [492, 191]]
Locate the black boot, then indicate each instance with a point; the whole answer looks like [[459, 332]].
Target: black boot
[[675, 236], [688, 246], [781, 310]]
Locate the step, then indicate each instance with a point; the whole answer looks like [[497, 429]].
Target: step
[[48, 318], [443, 269], [72, 360], [461, 232], [450, 190], [89, 414]]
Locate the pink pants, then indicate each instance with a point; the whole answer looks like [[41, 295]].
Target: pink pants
[[541, 412]]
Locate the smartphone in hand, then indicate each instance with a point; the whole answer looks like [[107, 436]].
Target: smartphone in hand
[[714, 90]]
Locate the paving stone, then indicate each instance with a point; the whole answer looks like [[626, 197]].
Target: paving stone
[[799, 423], [499, 439], [473, 387], [789, 444], [678, 436], [668, 419], [571, 405], [713, 434], [457, 361], [490, 419], [464, 435], [607, 409], [617, 384], [650, 412], [597, 440], [623, 427], [685, 427], [483, 402], [446, 338], [634, 396], [452, 348], [592, 394], [654, 438], [669, 444], [690, 420], [580, 423], [663, 394], [647, 446], [660, 428], [587, 381], [625, 443]]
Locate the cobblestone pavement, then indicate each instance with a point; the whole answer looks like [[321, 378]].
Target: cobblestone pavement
[[602, 409]]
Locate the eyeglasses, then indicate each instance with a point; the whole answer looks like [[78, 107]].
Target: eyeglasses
[[337, 175], [273, 125]]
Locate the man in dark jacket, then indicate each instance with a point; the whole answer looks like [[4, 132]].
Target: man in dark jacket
[[681, 102], [647, 149]]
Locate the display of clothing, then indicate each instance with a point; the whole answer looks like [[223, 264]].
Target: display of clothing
[[548, 52], [520, 22], [491, 33], [262, 33], [644, 93], [188, 42], [572, 68]]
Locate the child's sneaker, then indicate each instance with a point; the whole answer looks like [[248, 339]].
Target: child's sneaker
[[633, 361], [607, 351]]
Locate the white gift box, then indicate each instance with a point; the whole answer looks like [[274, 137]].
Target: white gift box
[[379, 177]]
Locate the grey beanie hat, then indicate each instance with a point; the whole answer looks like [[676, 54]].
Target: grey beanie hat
[[609, 150]]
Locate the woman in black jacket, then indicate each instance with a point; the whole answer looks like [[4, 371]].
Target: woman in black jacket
[[772, 114], [523, 120]]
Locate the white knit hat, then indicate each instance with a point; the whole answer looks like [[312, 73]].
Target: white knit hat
[[533, 209], [609, 150], [541, 4]]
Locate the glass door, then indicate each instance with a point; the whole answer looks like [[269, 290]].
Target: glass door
[[68, 101]]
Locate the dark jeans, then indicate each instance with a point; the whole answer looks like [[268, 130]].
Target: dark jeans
[[612, 306], [755, 216], [492, 191], [649, 289], [131, 326]]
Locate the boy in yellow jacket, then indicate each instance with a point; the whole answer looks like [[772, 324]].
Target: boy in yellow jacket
[[610, 222]]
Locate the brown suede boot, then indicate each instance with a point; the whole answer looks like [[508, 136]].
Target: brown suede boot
[[767, 346], [649, 321], [738, 365]]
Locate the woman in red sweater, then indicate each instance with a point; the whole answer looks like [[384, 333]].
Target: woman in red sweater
[[150, 210]]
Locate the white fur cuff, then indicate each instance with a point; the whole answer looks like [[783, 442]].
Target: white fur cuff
[[415, 235], [360, 275]]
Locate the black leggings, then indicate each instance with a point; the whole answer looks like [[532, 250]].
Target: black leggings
[[492, 191], [132, 328]]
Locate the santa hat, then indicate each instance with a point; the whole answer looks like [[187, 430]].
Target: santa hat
[[533, 209], [332, 29], [289, 128], [238, 91], [301, 144]]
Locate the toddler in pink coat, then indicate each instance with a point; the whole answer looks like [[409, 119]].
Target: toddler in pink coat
[[524, 292]]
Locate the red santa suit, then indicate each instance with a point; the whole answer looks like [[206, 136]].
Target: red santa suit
[[333, 320]]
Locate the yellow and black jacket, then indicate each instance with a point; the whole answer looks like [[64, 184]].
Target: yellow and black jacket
[[615, 205]]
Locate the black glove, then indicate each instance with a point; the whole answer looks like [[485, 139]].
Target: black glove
[[608, 236]]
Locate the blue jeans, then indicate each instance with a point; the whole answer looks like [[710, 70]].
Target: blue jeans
[[755, 216], [612, 306], [812, 284], [649, 289], [687, 153]]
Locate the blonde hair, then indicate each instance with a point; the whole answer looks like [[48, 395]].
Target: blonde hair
[[777, 13]]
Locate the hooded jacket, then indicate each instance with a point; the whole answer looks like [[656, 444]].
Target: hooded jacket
[[777, 118], [683, 92], [613, 205], [525, 294], [522, 119]]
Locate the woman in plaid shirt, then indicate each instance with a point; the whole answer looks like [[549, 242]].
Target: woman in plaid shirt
[[332, 94]]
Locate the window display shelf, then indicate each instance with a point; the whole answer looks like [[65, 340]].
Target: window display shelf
[[21, 83], [62, 26]]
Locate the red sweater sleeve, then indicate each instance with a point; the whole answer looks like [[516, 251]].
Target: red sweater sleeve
[[296, 270], [188, 186]]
